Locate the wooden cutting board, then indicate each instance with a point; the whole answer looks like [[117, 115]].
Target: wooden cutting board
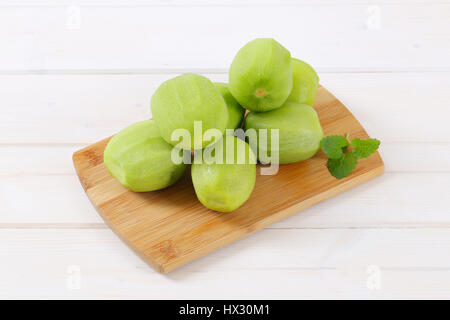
[[170, 227]]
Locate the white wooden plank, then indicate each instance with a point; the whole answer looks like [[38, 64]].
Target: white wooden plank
[[45, 199], [394, 107], [416, 157], [392, 200], [38, 185], [331, 37], [36, 160], [293, 263]]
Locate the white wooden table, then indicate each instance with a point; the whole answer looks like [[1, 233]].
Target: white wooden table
[[74, 72]]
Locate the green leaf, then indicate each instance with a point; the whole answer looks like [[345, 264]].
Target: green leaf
[[364, 148], [343, 166], [334, 146]]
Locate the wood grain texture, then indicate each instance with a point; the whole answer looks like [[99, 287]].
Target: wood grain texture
[[170, 227]]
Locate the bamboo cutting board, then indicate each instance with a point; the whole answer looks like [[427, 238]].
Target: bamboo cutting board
[[170, 227]]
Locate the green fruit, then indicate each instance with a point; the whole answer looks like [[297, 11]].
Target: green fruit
[[305, 84], [180, 101], [260, 76], [235, 111], [224, 186], [140, 159], [299, 132]]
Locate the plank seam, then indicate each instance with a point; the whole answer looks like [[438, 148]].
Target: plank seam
[[164, 71], [219, 5]]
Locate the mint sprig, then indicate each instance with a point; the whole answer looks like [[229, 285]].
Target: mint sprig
[[364, 148], [341, 161], [342, 167], [334, 146]]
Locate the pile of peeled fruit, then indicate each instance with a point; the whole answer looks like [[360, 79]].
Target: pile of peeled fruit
[[196, 123]]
